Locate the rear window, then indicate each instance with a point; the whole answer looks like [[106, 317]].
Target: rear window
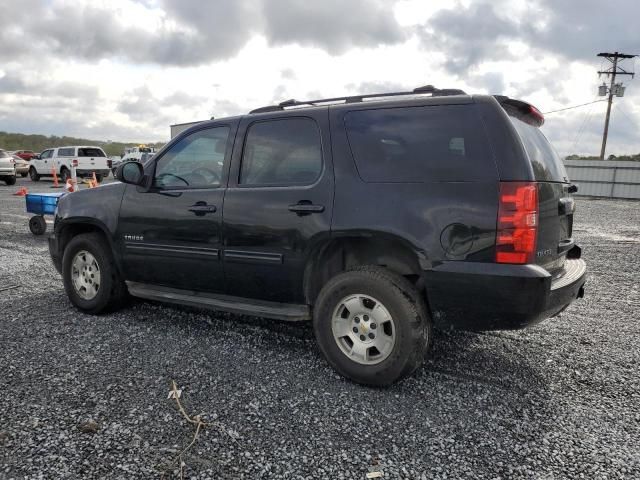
[[547, 164], [437, 143], [4, 154], [90, 152]]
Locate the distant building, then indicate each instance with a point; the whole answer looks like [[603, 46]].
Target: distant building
[[181, 127]]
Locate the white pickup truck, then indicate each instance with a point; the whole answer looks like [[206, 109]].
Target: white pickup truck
[[87, 160]]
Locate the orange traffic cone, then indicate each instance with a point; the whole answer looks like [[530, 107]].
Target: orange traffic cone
[[55, 178], [21, 192], [69, 186], [95, 180]]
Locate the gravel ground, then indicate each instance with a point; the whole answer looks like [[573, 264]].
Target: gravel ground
[[560, 400]]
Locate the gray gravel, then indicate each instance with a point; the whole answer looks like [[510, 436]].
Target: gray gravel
[[86, 397]]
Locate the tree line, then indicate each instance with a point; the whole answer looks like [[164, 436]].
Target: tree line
[[37, 143]]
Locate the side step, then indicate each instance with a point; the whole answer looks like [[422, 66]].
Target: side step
[[239, 305]]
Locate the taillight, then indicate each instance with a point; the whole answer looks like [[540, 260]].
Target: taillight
[[109, 163], [517, 227], [74, 162]]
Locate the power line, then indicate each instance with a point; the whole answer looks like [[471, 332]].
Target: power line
[[574, 106]]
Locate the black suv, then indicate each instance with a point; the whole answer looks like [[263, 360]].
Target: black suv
[[375, 216]]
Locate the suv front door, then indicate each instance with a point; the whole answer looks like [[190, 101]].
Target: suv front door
[[170, 235], [278, 204]]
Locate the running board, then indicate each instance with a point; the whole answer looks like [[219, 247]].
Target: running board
[[239, 305]]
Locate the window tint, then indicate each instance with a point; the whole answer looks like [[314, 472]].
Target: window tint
[[420, 144], [282, 152], [194, 161], [66, 152], [90, 152], [546, 163]]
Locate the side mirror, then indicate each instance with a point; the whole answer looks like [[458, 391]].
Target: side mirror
[[130, 172]]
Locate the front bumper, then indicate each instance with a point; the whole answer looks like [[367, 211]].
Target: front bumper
[[483, 296]]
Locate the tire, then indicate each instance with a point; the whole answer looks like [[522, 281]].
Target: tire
[[10, 180], [65, 175], [111, 292], [37, 225], [23, 174], [33, 174], [410, 325], [98, 178]]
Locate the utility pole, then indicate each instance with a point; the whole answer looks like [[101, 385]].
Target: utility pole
[[614, 89]]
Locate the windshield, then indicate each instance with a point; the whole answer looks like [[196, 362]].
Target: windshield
[[547, 164]]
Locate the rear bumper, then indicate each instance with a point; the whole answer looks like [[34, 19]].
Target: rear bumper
[[81, 172], [481, 296]]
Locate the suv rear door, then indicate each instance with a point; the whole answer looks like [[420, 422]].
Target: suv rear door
[[556, 204], [278, 205]]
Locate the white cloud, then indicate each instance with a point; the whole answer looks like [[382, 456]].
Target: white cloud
[[125, 69]]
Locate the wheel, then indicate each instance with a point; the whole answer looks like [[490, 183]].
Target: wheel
[[23, 174], [372, 325], [10, 180], [91, 278], [64, 175], [33, 174], [98, 178], [37, 225]]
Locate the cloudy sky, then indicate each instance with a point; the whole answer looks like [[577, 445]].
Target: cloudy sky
[[127, 69]]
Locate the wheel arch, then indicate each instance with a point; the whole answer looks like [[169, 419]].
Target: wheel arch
[[70, 228], [353, 249]]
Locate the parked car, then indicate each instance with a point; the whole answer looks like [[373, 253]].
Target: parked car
[[25, 154], [7, 168], [21, 165], [374, 216], [87, 160]]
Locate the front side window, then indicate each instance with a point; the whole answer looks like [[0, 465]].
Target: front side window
[[195, 161], [46, 154], [282, 152]]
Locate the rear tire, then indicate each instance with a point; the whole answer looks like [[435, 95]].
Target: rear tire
[[99, 178], [64, 174], [33, 174], [403, 339], [23, 174], [10, 180], [110, 293]]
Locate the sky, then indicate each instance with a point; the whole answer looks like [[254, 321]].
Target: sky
[[124, 70]]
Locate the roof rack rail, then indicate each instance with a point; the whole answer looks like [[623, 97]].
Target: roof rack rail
[[435, 92]]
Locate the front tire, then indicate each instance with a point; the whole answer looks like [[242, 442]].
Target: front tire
[[33, 174], [10, 180], [391, 319], [91, 278]]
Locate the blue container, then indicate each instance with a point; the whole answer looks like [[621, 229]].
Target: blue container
[[42, 203]]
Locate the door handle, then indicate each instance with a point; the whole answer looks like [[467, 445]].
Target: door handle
[[201, 208], [305, 208]]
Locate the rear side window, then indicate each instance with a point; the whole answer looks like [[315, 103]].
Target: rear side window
[[90, 152], [282, 152], [437, 143], [546, 163], [66, 152]]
